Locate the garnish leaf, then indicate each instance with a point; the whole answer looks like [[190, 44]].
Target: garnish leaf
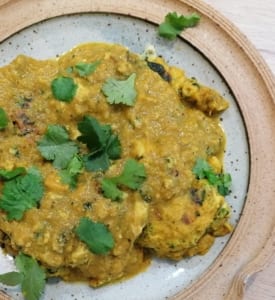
[[110, 190], [11, 278], [93, 134], [86, 69], [222, 181], [10, 174], [64, 88], [113, 146], [101, 141], [3, 119], [34, 277], [95, 235], [96, 162], [70, 174], [224, 184], [202, 169], [21, 194], [56, 145], [174, 24], [120, 91], [31, 277], [132, 176], [223, 212]]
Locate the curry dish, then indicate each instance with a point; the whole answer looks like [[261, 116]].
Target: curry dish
[[173, 122]]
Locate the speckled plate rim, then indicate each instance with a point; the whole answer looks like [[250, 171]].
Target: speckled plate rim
[[249, 78]]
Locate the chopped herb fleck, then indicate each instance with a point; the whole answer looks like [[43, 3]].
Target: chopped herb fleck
[[222, 181], [3, 119]]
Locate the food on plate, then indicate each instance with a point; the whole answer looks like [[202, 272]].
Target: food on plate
[[108, 158]]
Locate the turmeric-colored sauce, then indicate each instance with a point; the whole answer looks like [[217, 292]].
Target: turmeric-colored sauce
[[174, 121]]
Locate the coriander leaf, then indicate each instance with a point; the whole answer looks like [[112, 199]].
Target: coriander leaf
[[202, 168], [93, 134], [64, 88], [113, 146], [21, 194], [96, 162], [102, 143], [70, 174], [95, 235], [35, 172], [181, 22], [3, 119], [86, 69], [34, 277], [174, 24], [223, 212], [222, 181], [132, 176], [10, 174], [55, 145], [224, 184], [110, 189], [120, 91], [11, 278], [167, 31]]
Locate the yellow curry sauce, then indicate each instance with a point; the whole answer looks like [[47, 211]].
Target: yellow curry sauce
[[173, 122]]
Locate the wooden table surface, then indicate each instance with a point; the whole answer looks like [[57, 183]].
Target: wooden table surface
[[256, 19]]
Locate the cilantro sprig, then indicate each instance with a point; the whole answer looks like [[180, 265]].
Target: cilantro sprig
[[11, 278], [31, 277], [64, 88], [10, 174], [3, 119], [85, 69], [132, 176], [222, 181], [21, 193], [120, 91], [102, 143], [70, 174], [174, 24], [95, 235], [56, 146]]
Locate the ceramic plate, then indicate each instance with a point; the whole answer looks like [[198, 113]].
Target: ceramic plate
[[47, 30]]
